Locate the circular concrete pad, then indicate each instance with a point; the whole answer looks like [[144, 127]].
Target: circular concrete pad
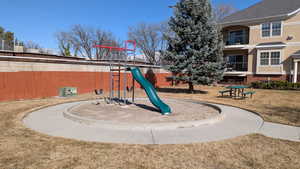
[[233, 122]]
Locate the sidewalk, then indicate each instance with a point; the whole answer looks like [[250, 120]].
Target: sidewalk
[[280, 131], [236, 122]]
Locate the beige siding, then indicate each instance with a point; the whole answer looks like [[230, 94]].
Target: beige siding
[[252, 60], [286, 61], [269, 69], [295, 18], [255, 37], [290, 28]]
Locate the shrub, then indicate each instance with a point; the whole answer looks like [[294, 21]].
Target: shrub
[[281, 85]]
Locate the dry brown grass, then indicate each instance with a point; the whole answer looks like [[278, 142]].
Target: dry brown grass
[[279, 106], [22, 148]]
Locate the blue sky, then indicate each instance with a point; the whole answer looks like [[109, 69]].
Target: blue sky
[[38, 20]]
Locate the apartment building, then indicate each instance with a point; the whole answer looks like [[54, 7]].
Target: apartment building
[[262, 42]]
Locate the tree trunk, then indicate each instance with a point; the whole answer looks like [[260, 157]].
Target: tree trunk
[[191, 87]]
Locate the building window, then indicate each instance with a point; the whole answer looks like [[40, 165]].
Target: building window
[[236, 37], [276, 29], [264, 58], [270, 58], [275, 58], [266, 29], [271, 29]]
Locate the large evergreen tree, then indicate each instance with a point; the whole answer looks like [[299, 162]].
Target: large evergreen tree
[[194, 53]]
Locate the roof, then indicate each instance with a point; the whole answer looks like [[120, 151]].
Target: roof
[[271, 45], [296, 55], [264, 9]]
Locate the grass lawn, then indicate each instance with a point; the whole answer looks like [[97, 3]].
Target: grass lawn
[[279, 106], [22, 148]]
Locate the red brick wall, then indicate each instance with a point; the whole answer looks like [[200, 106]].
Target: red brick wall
[[29, 85], [254, 78]]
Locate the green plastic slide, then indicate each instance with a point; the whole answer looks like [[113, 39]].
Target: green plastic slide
[[151, 93]]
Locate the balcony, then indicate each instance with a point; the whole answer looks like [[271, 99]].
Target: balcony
[[237, 67], [237, 63], [237, 40], [236, 36]]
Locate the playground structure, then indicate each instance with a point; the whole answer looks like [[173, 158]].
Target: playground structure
[[137, 75], [117, 68]]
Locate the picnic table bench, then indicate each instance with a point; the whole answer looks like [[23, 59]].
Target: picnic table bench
[[251, 93], [222, 92], [237, 91]]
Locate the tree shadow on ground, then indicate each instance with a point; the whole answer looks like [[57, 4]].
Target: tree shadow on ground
[[289, 113], [180, 90], [233, 98], [225, 97]]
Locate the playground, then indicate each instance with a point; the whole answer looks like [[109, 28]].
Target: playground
[[213, 85], [131, 120], [27, 148], [128, 113], [163, 127]]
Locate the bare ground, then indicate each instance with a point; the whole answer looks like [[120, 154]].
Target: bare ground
[[144, 112], [22, 148]]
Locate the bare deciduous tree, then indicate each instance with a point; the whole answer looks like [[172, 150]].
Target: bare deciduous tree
[[31, 45], [223, 10], [150, 39], [106, 39], [81, 40], [65, 44]]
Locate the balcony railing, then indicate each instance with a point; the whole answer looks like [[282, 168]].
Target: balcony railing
[[237, 41], [236, 38], [237, 67]]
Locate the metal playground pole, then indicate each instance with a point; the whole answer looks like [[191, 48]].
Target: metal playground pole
[[127, 51]]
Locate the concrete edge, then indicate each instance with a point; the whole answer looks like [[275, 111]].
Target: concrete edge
[[245, 109], [143, 126]]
